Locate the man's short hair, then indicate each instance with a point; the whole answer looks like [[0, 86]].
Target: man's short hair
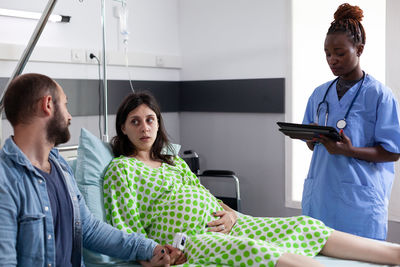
[[23, 94]]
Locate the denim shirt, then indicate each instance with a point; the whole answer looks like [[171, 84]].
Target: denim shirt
[[26, 227]]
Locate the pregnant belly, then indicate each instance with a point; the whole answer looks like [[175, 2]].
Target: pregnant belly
[[187, 210]]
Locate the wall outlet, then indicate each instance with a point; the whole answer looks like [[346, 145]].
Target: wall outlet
[[78, 56], [160, 61], [92, 60], [116, 12]]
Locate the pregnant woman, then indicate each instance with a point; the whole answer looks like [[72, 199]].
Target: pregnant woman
[[149, 192]]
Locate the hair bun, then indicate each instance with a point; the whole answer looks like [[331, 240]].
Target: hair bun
[[347, 11]]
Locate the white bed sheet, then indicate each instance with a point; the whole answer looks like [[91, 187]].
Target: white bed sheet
[[326, 261], [331, 262]]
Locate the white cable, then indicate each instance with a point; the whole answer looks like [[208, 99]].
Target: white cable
[[127, 68]]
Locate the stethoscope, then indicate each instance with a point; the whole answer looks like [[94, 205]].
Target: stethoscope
[[340, 124]]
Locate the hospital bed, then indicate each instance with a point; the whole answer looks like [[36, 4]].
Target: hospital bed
[[89, 161]]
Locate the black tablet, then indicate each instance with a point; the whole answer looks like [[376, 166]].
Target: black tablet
[[308, 131]]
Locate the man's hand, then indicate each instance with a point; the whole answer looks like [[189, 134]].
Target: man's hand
[[165, 256], [160, 258]]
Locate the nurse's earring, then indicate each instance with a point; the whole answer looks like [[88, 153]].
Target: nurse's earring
[[360, 49]]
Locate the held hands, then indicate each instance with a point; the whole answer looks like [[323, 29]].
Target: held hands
[[224, 224], [177, 257], [165, 256]]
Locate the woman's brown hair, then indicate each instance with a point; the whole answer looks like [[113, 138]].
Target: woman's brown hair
[[121, 145]]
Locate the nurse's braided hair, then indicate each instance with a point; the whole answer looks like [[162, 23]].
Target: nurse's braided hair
[[348, 20]]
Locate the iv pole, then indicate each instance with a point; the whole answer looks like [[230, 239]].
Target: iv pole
[[31, 45], [105, 87], [27, 53]]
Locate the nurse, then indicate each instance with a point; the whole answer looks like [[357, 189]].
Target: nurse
[[349, 182]]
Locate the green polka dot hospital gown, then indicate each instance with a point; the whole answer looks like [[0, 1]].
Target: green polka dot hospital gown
[[160, 202]]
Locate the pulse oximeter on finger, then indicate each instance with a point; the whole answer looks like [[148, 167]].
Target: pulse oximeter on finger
[[179, 241]]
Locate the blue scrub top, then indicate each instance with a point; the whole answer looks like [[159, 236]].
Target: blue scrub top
[[349, 194]]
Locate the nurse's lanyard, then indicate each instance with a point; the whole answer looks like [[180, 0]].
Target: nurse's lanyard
[[340, 124]]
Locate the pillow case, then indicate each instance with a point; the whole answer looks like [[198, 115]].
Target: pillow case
[[93, 158], [91, 164]]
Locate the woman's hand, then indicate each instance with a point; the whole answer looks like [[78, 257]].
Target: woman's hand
[[311, 143], [224, 224], [372, 154], [344, 147]]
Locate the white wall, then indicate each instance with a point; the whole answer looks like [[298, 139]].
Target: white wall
[[393, 81], [153, 26], [237, 40], [233, 39]]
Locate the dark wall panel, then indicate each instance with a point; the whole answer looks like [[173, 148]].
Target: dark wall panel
[[248, 95], [245, 96], [84, 97], [166, 93]]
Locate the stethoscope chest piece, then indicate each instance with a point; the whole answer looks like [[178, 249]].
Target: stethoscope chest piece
[[341, 124]]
